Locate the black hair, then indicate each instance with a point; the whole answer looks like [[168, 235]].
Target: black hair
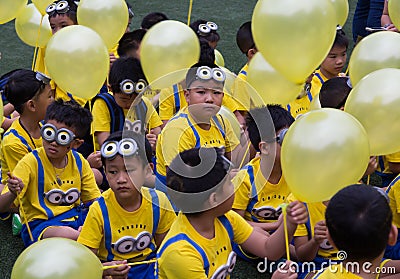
[[138, 138], [207, 53], [71, 114], [244, 38], [152, 19], [191, 74], [184, 178], [21, 87], [359, 220], [259, 124], [148, 150], [73, 7], [124, 68], [341, 40], [213, 36], [334, 92], [130, 41]]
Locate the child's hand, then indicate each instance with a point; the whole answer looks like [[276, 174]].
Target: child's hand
[[297, 213], [152, 138], [285, 271], [15, 184], [320, 232], [120, 272], [94, 160], [112, 59]]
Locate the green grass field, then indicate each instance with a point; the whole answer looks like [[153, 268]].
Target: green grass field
[[229, 15]]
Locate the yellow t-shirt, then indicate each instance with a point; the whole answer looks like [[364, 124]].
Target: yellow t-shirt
[[262, 201], [393, 192], [180, 259], [173, 97], [300, 106], [240, 90], [337, 271], [124, 224], [15, 146], [178, 135], [383, 162], [72, 182]]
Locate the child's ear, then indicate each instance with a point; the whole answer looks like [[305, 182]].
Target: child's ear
[[265, 148], [251, 52], [213, 200], [393, 235], [186, 94], [30, 105], [76, 143]]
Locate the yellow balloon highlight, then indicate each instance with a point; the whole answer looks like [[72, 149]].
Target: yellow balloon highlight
[[167, 47], [342, 10], [294, 36], [324, 151], [9, 9], [219, 59], [27, 25], [42, 5], [272, 86], [375, 102], [230, 116], [77, 60], [57, 258], [394, 12], [108, 18], [376, 51]]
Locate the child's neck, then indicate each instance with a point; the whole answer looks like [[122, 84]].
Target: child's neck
[[59, 163], [327, 74], [131, 203], [366, 268], [30, 126], [203, 223], [276, 173]]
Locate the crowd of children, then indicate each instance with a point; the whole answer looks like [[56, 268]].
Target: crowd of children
[[155, 186]]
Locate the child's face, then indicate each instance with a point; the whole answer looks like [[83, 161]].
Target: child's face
[[59, 21], [335, 61], [125, 177], [124, 100], [53, 149], [43, 100]]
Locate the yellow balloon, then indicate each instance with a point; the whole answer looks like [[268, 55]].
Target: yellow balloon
[[315, 103], [394, 12], [272, 86], [108, 18], [376, 51], [230, 116], [28, 26], [375, 102], [57, 258], [294, 36], [324, 151], [42, 5], [77, 60], [9, 9], [167, 47], [342, 10], [219, 59]]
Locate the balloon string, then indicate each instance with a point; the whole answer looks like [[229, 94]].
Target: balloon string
[[92, 126], [244, 155], [36, 45], [368, 178], [130, 264], [190, 11], [284, 211]]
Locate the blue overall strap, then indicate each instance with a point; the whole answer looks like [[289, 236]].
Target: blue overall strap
[[392, 183], [70, 96], [228, 227], [156, 210], [289, 108], [116, 112], [78, 161], [381, 163], [308, 223], [243, 72], [219, 126], [107, 228], [309, 95], [177, 100], [184, 237], [319, 77], [23, 140], [196, 134], [254, 195], [40, 183]]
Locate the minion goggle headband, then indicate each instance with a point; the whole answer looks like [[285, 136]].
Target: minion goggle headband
[[129, 87], [61, 7], [206, 73], [207, 28], [61, 136], [126, 147]]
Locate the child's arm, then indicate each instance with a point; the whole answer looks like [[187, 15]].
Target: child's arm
[[159, 237], [306, 250], [273, 247], [15, 186], [101, 137], [120, 272]]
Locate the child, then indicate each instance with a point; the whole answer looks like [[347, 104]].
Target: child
[[53, 181], [359, 223], [129, 221], [207, 31], [260, 186], [129, 44], [200, 241], [334, 92], [197, 124]]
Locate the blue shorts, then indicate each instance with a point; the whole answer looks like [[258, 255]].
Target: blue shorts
[[143, 271]]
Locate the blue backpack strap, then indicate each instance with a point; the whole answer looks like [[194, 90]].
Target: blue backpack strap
[[41, 185], [78, 161], [308, 223], [319, 77], [381, 163], [218, 123], [156, 210], [177, 100], [243, 72], [71, 96], [23, 140], [254, 195], [116, 112], [107, 228], [196, 134], [184, 237], [309, 95]]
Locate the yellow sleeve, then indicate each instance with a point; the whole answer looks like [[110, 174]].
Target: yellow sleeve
[[89, 189], [240, 94], [91, 234], [393, 158], [152, 118], [241, 229], [13, 152], [167, 104], [24, 171], [229, 102], [242, 185], [167, 214], [231, 141], [101, 116]]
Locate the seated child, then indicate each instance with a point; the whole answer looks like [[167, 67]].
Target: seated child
[[200, 241], [53, 181], [129, 221], [359, 224], [129, 44]]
